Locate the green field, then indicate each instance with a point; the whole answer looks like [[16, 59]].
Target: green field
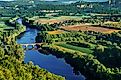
[[4, 26], [76, 48], [4, 18]]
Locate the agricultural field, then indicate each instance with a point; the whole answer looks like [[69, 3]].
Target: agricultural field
[[3, 26], [111, 22], [85, 35], [4, 18], [52, 20], [76, 48], [116, 25], [85, 27], [56, 32], [2, 22]]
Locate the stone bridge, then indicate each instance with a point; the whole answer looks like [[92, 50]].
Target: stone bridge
[[31, 46]]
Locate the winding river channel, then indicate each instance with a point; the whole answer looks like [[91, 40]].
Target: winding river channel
[[49, 62]]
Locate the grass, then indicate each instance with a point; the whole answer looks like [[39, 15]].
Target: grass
[[3, 26], [76, 48], [111, 22], [4, 18]]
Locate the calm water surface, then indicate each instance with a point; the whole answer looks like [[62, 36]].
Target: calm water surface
[[48, 62]]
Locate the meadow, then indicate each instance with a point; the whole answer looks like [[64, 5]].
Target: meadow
[[76, 48]]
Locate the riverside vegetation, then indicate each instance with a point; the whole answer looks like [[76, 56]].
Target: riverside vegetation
[[12, 64], [94, 53]]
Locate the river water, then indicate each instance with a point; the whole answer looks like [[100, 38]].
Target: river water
[[48, 62]]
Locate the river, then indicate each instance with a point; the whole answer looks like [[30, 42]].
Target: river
[[49, 62]]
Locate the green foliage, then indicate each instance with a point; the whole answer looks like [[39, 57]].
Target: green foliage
[[76, 48], [112, 25], [103, 62], [12, 66], [42, 27], [83, 61], [82, 44]]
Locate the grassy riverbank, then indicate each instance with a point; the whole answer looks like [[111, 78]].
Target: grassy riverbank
[[83, 62]]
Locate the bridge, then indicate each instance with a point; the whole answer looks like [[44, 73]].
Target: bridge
[[31, 46]]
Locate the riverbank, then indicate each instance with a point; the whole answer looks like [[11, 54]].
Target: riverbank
[[88, 64], [49, 62], [12, 59], [86, 51], [10, 35]]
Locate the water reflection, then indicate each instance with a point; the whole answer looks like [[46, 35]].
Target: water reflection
[[48, 62], [52, 64]]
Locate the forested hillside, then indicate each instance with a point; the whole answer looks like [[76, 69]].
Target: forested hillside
[[12, 64]]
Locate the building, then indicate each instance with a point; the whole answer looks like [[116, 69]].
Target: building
[[114, 2]]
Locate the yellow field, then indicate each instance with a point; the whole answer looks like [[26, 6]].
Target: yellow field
[[56, 32], [110, 22]]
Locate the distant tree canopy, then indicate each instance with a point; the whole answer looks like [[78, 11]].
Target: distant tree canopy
[[10, 9]]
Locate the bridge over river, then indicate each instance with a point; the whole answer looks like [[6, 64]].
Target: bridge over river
[[32, 46], [29, 46], [49, 62]]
